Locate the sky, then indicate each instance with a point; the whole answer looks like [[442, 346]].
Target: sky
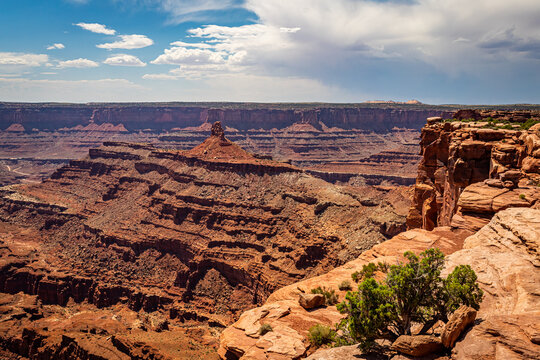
[[434, 51]]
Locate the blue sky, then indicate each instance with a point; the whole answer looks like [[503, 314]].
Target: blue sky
[[436, 51]]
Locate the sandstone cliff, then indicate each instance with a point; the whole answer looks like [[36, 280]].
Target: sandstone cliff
[[242, 117], [469, 172]]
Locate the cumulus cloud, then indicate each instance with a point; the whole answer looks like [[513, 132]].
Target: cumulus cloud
[[55, 46], [226, 50], [128, 42], [96, 28], [289, 30], [23, 59], [77, 63], [124, 60], [184, 56], [407, 43]]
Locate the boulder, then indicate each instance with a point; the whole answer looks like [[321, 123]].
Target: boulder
[[511, 175], [417, 345], [459, 321], [479, 197], [532, 142], [531, 165], [351, 352], [310, 301], [490, 134], [494, 183], [535, 128]]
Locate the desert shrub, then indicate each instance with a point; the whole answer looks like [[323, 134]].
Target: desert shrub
[[321, 334], [265, 328], [522, 196], [527, 124], [412, 292], [368, 271], [330, 297], [345, 285]]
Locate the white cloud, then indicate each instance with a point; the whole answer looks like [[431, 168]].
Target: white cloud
[[184, 56], [96, 28], [189, 10], [77, 63], [452, 35], [55, 46], [23, 59], [159, 77], [32, 90], [289, 30], [124, 60], [128, 42], [196, 45]]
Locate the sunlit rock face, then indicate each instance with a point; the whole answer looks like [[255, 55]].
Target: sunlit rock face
[[469, 171]]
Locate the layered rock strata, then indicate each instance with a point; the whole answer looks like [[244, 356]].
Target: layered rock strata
[[165, 116], [469, 172], [348, 138], [353, 156], [198, 236]]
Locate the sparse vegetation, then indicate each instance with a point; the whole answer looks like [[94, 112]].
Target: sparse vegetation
[[265, 328], [321, 334], [330, 296], [500, 123], [345, 285], [529, 123], [412, 293], [522, 196]]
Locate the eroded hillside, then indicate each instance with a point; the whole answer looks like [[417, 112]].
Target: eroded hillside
[[189, 239]]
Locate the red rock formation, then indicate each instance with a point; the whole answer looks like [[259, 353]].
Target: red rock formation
[[242, 117], [504, 255], [291, 322], [469, 172], [198, 235], [15, 128], [331, 139]]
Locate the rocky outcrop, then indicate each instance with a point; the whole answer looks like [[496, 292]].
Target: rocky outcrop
[[291, 319], [504, 254], [354, 145], [469, 172]]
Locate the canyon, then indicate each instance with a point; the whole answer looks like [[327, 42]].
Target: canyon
[[477, 198], [181, 241], [186, 238], [341, 143]]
